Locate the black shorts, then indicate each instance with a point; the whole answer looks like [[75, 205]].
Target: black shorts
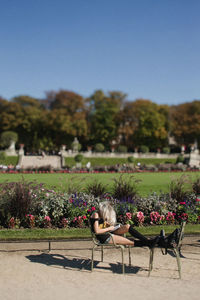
[[103, 238]]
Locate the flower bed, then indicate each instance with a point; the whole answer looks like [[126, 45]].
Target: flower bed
[[28, 205]]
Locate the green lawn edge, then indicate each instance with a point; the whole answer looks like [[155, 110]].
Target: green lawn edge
[[82, 233]]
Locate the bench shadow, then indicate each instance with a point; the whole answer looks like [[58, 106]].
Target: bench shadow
[[79, 264]]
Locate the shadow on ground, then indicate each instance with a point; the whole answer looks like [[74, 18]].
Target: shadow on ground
[[79, 264]]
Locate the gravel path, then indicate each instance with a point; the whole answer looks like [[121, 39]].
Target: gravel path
[[28, 271]]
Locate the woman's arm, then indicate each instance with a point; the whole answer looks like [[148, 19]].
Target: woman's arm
[[97, 229]]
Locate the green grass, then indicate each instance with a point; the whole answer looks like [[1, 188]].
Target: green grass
[[9, 160], [150, 182], [38, 233], [101, 161], [78, 233]]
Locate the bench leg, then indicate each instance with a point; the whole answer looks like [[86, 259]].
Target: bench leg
[[92, 259], [151, 261], [101, 253], [123, 269], [129, 255], [49, 246], [176, 251]]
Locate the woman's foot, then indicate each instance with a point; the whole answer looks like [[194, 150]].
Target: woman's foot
[[171, 241], [154, 242]]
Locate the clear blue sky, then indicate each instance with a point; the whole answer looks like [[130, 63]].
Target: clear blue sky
[[145, 48]]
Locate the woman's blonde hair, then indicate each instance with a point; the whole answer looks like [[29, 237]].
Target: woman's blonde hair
[[107, 212]]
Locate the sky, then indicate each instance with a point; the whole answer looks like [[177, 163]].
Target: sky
[[145, 48]]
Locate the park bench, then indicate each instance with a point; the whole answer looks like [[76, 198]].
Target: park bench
[[175, 250]]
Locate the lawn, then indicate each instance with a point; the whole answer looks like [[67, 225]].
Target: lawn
[[150, 182], [77, 233], [102, 161]]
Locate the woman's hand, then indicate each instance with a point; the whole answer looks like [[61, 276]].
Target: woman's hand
[[111, 228]]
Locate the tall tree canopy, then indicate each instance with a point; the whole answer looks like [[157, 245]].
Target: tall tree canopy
[[102, 117], [185, 122]]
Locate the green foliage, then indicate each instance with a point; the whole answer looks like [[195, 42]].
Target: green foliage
[[130, 159], [8, 160], [79, 146], [121, 149], [180, 159], [7, 137], [101, 161], [78, 158], [196, 186], [178, 189], [2, 156], [16, 199], [144, 149], [99, 147], [125, 189], [166, 150], [22, 202], [96, 188], [103, 112]]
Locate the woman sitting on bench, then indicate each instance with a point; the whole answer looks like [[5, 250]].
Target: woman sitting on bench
[[103, 225]]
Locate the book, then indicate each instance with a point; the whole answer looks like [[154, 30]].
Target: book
[[116, 227]]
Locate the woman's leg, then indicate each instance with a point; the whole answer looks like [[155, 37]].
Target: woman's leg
[[143, 241], [122, 229], [120, 240]]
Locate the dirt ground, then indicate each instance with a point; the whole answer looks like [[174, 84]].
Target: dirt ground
[[29, 271]]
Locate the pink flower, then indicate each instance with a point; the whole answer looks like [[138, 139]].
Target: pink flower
[[129, 215], [84, 217], [47, 218], [182, 203], [93, 208], [140, 216], [184, 216], [89, 210]]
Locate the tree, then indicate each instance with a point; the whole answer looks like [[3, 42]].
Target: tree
[[144, 123], [68, 100], [26, 101], [102, 116], [185, 120], [7, 137]]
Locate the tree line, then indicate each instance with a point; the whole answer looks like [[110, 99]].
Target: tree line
[[107, 118]]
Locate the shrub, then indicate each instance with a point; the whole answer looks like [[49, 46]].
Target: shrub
[[180, 159], [121, 149], [78, 158], [166, 150], [125, 189], [2, 156], [154, 202], [130, 159], [196, 186], [79, 146], [99, 147], [144, 149], [16, 199], [7, 137], [96, 188], [178, 189]]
